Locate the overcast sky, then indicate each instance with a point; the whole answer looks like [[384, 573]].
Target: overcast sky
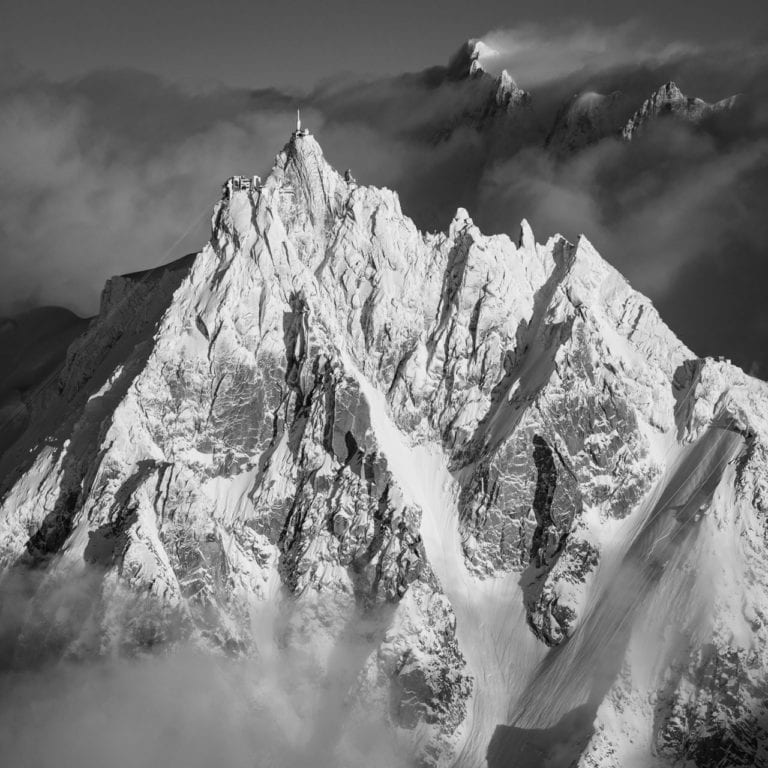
[[297, 42]]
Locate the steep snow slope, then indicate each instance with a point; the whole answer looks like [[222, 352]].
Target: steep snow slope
[[467, 481], [491, 629]]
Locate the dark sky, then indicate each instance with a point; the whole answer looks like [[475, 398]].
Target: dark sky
[[297, 42]]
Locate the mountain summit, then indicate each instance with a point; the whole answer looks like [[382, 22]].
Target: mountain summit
[[468, 60], [495, 106], [483, 473]]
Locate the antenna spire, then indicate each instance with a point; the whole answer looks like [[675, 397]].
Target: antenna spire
[[298, 120]]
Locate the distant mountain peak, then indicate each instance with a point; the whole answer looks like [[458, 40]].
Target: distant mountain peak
[[468, 60], [669, 100], [585, 119], [494, 105], [508, 93], [671, 90]]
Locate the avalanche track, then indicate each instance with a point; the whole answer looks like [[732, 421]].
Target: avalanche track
[[501, 651]]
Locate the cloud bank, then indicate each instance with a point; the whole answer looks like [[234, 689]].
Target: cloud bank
[[184, 710]]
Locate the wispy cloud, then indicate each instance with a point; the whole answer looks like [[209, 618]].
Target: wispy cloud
[[538, 55]]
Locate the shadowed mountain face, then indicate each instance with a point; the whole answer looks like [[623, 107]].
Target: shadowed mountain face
[[472, 496], [33, 345]]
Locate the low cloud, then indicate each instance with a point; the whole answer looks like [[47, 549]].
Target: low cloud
[[92, 676], [653, 206], [182, 710]]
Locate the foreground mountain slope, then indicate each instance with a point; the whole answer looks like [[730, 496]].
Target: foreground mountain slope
[[469, 481]]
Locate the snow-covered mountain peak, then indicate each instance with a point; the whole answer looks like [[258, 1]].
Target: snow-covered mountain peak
[[494, 104], [507, 82], [433, 457], [303, 176]]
